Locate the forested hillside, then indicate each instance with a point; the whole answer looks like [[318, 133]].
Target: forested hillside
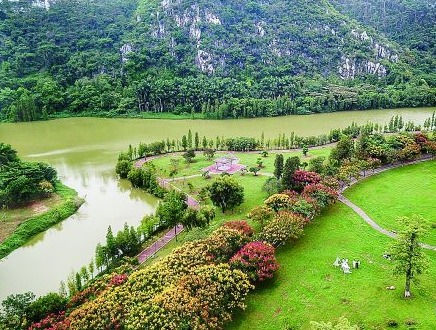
[[224, 59], [409, 22]]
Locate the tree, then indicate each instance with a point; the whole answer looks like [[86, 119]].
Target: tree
[[14, 309], [278, 166], [343, 150], [226, 193], [41, 307], [406, 253], [189, 155], [111, 243], [196, 141], [184, 142], [7, 154], [123, 168], [291, 165], [209, 153], [317, 164], [254, 170], [172, 209], [305, 150], [272, 186], [189, 139], [194, 218]]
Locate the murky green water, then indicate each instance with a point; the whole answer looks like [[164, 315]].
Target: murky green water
[[84, 151]]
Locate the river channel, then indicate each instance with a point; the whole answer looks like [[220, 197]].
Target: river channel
[[84, 152]]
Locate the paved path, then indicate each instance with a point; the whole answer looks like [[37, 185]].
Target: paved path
[[365, 217], [170, 234], [159, 244]]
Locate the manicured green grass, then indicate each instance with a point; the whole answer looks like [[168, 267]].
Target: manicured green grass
[[57, 209], [399, 192], [163, 164], [308, 287]]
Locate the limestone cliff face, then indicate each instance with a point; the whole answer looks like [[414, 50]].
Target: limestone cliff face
[[223, 36]]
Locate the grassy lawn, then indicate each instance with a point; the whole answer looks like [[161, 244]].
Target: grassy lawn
[[163, 164], [10, 219], [307, 286], [399, 192], [18, 225]]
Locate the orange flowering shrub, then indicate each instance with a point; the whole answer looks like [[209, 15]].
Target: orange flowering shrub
[[284, 227], [203, 300], [241, 226]]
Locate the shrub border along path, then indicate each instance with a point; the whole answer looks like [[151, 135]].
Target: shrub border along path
[[362, 213], [192, 202]]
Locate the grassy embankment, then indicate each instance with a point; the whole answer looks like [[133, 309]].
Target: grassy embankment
[[403, 191], [18, 225], [307, 286]]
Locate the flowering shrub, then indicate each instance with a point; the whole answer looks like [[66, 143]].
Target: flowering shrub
[[118, 279], [333, 183], [257, 260], [278, 202], [131, 301], [80, 297], [224, 242], [241, 226], [262, 214], [321, 193], [203, 300], [410, 151], [293, 195], [284, 227], [306, 207], [420, 138], [52, 322], [302, 178]]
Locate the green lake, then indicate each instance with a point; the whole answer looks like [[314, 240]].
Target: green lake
[[84, 152]]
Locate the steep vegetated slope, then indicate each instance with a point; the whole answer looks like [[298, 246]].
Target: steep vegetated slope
[[411, 23], [222, 58]]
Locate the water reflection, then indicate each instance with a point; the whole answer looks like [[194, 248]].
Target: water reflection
[[51, 256]]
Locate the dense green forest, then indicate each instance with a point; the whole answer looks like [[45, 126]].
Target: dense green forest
[[22, 182], [221, 59]]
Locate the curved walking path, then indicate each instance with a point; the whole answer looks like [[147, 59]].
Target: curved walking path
[[364, 216]]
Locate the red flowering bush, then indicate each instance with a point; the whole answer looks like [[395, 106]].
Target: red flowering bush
[[80, 297], [241, 226], [293, 195], [118, 279], [257, 260], [302, 178], [322, 194], [52, 322], [420, 138]]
